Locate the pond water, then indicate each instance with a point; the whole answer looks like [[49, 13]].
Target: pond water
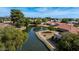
[[33, 43]]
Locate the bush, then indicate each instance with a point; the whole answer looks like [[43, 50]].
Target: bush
[[20, 23], [76, 25], [51, 28], [69, 42], [11, 38], [1, 21]]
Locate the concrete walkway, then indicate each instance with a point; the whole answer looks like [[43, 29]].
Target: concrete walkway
[[45, 41]]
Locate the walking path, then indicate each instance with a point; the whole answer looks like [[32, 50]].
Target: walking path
[[45, 41]]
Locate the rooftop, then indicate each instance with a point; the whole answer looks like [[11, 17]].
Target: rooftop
[[66, 26]]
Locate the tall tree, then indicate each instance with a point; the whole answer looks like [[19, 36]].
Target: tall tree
[[16, 15]]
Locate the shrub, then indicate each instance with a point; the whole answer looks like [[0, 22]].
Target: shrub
[[11, 38], [51, 28], [69, 42], [1, 21]]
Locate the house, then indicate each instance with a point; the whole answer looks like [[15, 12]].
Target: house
[[65, 26], [73, 22]]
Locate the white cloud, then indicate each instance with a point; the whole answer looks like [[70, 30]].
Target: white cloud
[[44, 12], [41, 9], [54, 13]]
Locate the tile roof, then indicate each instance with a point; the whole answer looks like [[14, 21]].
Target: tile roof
[[66, 26]]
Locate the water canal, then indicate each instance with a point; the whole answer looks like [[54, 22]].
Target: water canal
[[33, 43]]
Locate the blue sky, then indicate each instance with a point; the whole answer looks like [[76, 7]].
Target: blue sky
[[56, 12]]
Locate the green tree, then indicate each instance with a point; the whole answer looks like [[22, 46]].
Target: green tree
[[77, 20], [2, 47], [16, 15], [44, 20], [27, 22], [38, 21], [11, 38], [68, 42], [1, 21], [66, 20], [20, 23]]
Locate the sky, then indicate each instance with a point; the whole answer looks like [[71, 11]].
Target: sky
[[55, 12]]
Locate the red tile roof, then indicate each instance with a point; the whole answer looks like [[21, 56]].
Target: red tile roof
[[66, 26]]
